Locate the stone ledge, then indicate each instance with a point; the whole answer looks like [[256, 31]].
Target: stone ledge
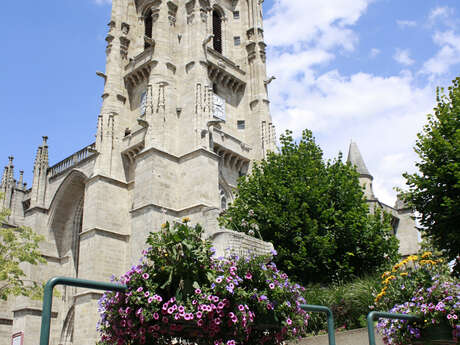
[[21, 312], [106, 233]]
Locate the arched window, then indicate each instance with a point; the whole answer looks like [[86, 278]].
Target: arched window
[[148, 24], [223, 199], [217, 31]]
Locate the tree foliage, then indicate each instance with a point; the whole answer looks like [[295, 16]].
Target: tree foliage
[[18, 245], [313, 212], [434, 191]]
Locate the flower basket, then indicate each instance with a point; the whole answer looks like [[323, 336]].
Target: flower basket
[[440, 334], [181, 293]]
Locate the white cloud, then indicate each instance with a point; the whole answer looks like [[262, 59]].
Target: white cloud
[[103, 2], [382, 114], [447, 56], [406, 23], [402, 56], [439, 13], [327, 24], [374, 52]]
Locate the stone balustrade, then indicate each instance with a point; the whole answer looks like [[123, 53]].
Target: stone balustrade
[[72, 161]]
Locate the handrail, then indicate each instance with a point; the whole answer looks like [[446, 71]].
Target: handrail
[[48, 298], [374, 315], [330, 319]]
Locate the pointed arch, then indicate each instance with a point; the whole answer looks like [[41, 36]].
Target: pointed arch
[[66, 216], [217, 21], [66, 337]]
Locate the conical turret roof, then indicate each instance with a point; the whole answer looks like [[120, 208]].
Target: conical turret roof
[[355, 158]]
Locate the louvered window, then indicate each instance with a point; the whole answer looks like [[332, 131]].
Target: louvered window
[[217, 31], [148, 23]]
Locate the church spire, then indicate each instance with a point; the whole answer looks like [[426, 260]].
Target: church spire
[[365, 177], [356, 159]]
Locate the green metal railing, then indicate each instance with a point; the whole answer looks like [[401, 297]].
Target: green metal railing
[[375, 315], [48, 298], [330, 319], [48, 303]]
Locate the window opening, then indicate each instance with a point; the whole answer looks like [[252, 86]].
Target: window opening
[[217, 31], [240, 124], [148, 23], [236, 15], [143, 103], [214, 88], [237, 40]]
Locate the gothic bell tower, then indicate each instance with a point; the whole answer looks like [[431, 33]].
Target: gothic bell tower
[[185, 108]]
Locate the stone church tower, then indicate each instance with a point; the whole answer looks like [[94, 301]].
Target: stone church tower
[[184, 113]]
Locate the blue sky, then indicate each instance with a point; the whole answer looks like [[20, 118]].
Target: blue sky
[[364, 70]]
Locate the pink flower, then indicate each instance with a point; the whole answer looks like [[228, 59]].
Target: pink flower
[[156, 316], [147, 293], [150, 300], [241, 307], [197, 291], [289, 321], [139, 289], [200, 323], [145, 276], [219, 280], [248, 275], [271, 286], [199, 314], [164, 319]]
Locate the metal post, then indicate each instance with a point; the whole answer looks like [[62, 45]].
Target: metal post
[[48, 298], [330, 319], [374, 315]]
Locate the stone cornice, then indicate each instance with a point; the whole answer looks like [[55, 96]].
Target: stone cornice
[[175, 212]]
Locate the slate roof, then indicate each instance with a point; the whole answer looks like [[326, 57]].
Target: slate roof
[[355, 158]]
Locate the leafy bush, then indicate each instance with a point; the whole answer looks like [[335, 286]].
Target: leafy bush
[[18, 245], [434, 191], [179, 292], [350, 303], [314, 213]]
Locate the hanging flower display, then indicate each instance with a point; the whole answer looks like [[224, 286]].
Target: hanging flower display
[[182, 293], [420, 286]]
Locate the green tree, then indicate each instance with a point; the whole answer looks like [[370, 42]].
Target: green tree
[[434, 191], [313, 212], [18, 245]]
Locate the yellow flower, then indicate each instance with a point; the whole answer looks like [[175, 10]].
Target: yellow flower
[[403, 274], [426, 254], [163, 225], [185, 220], [385, 274]]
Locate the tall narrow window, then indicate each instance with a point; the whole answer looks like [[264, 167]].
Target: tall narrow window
[[217, 31], [148, 23]]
